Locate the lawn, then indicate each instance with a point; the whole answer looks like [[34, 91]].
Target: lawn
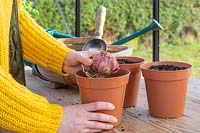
[[189, 52]]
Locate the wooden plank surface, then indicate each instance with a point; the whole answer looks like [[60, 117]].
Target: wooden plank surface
[[135, 120]]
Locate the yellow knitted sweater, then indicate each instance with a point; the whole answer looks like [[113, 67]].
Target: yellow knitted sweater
[[20, 109]]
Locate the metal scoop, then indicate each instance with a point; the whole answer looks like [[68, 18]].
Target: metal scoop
[[98, 43]]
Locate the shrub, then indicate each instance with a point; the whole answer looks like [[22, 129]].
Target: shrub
[[28, 6], [178, 17]]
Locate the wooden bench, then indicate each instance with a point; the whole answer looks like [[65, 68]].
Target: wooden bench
[[135, 120]]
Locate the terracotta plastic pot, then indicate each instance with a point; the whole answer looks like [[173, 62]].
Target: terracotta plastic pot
[[166, 90], [110, 89], [132, 87]]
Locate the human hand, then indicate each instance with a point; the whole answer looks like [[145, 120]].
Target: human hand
[[73, 61], [82, 118]]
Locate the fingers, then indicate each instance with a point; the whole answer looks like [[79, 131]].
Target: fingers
[[98, 125], [83, 59], [95, 106], [92, 130], [73, 70], [102, 117]]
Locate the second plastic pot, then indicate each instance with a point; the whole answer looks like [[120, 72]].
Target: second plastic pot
[[132, 87]]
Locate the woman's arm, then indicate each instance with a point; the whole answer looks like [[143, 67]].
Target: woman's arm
[[38, 46], [23, 111]]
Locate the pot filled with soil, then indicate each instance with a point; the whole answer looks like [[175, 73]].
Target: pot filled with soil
[[166, 85], [104, 81], [133, 65]]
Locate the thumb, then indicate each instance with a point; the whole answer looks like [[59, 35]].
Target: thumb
[[84, 60]]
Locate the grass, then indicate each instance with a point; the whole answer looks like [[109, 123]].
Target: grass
[[189, 53]]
